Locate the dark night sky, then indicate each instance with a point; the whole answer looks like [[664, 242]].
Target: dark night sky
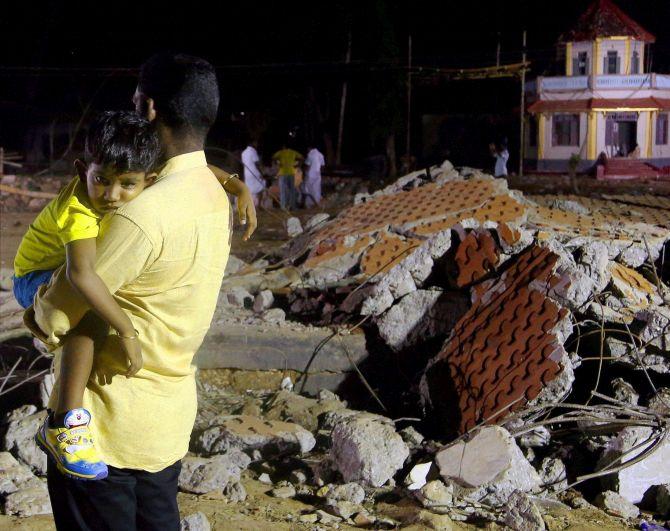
[[268, 53]]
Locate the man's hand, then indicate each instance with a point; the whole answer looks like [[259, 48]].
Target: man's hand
[[246, 210], [131, 348]]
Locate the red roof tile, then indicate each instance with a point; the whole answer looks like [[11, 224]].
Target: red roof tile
[[604, 19]]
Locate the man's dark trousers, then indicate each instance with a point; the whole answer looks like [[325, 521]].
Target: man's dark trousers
[[126, 500]]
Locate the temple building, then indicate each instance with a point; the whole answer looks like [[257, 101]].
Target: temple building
[[607, 102]]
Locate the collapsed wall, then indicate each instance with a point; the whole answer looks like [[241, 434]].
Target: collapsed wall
[[405, 256]]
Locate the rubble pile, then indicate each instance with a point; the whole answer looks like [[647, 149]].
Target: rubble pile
[[548, 317], [530, 336]]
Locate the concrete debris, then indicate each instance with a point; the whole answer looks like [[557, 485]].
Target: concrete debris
[[616, 505], [195, 522], [263, 301], [366, 450], [246, 433], [293, 227], [632, 482], [283, 491], [521, 513], [200, 475], [349, 492], [274, 315], [436, 496], [660, 402], [343, 509], [412, 438], [265, 478], [625, 392], [663, 500], [30, 501], [234, 265], [240, 297], [488, 466], [19, 437], [316, 221], [553, 474], [15, 476], [235, 492], [536, 438], [416, 478]]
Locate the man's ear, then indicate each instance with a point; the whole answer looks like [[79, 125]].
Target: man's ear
[[151, 110], [150, 178], [81, 169]]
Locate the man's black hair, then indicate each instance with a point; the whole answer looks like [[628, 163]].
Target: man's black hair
[[124, 140], [184, 90]]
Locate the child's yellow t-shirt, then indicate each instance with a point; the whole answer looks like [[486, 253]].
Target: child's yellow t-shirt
[[67, 218]]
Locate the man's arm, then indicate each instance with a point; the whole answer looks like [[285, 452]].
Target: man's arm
[[245, 203]]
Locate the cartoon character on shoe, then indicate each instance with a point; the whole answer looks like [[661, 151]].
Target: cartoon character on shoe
[[71, 446]]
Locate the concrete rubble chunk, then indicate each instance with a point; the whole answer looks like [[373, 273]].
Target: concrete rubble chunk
[[366, 450], [263, 301], [246, 433], [292, 407], [350, 492], [234, 265], [200, 475], [15, 476], [274, 315], [490, 465], [30, 501], [293, 227], [663, 500], [632, 482], [240, 297], [416, 478], [553, 474], [343, 509], [616, 505], [195, 522], [625, 392], [436, 496], [235, 492], [19, 438], [283, 491], [521, 513], [660, 402], [316, 220]]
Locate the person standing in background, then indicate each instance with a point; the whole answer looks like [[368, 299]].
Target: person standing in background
[[287, 159], [500, 153], [253, 175], [311, 187]]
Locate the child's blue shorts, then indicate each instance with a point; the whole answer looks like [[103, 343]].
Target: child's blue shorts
[[25, 286]]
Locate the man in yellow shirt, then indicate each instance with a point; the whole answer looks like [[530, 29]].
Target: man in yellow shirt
[[163, 255], [287, 160]]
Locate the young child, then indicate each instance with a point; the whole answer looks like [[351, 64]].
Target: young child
[[121, 152]]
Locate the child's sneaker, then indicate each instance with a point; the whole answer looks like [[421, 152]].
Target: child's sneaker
[[71, 447]]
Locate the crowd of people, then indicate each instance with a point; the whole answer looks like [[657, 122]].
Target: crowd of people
[[298, 177]]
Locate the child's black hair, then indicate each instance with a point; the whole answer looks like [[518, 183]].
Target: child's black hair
[[184, 90], [124, 140]]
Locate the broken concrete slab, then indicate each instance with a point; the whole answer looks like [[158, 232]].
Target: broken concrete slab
[[349, 492], [522, 514], [436, 496], [366, 450], [291, 407], [200, 475], [195, 522], [15, 476], [246, 433], [293, 227], [263, 301], [632, 482], [489, 464], [255, 347], [616, 505], [19, 438], [30, 501]]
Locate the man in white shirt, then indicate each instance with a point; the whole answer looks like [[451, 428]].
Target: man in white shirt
[[253, 176], [500, 153], [311, 186]]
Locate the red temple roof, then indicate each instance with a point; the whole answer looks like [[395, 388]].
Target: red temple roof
[[604, 19]]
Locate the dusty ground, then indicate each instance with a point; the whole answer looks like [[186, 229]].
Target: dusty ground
[[262, 511]]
